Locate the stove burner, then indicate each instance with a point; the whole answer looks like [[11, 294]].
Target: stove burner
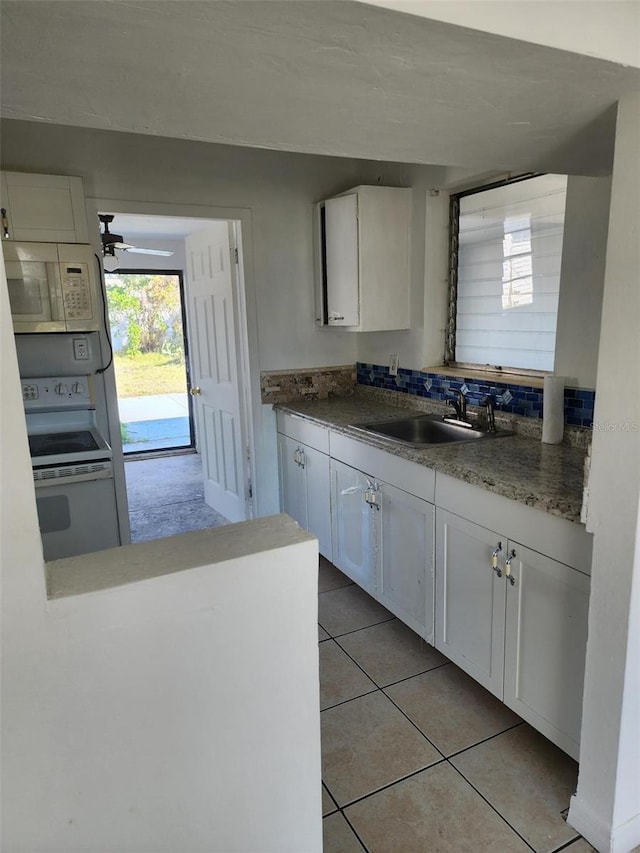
[[48, 444]]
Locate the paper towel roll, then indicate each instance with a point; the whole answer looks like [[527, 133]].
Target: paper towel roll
[[553, 410]]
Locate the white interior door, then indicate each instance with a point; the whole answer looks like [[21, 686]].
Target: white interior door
[[216, 369]]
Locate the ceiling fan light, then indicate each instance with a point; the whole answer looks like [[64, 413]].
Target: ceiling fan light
[[111, 263]]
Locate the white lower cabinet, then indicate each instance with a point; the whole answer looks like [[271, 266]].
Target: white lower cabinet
[[383, 540], [355, 527], [406, 550], [512, 618], [470, 599], [517, 623], [545, 645], [305, 491]]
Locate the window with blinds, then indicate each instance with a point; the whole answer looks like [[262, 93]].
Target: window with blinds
[[508, 273]]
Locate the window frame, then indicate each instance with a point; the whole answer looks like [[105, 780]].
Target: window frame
[[449, 360]]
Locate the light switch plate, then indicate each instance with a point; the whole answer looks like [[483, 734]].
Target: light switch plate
[[393, 364]]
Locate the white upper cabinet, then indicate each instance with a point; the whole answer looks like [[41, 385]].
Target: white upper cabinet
[[43, 208], [362, 259], [342, 266]]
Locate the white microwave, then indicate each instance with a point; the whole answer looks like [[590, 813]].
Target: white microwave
[[53, 287]]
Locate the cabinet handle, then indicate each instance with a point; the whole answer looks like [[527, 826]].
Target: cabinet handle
[[5, 224], [298, 457], [371, 496], [334, 316], [507, 567], [494, 559]]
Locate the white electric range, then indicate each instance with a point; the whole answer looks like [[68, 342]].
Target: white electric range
[[72, 466]]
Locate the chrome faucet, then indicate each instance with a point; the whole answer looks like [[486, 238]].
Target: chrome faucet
[[460, 405], [489, 405]]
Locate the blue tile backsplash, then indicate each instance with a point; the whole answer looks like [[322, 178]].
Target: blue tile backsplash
[[520, 399]]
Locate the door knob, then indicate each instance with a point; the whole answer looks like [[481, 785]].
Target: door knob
[[195, 391]]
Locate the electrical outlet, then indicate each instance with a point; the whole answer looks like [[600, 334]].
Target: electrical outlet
[[30, 392], [393, 364], [80, 349]]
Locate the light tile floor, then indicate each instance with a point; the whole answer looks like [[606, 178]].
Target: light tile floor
[[416, 756]]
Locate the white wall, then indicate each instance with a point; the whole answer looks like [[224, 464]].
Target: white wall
[[21, 560], [582, 281], [179, 713], [171, 714], [429, 264], [607, 29], [275, 192], [606, 808], [584, 252], [278, 188]]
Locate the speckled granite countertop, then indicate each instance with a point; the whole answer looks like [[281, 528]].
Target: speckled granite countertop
[[549, 477]]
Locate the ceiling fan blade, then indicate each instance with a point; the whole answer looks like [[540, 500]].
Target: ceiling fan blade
[[134, 250]]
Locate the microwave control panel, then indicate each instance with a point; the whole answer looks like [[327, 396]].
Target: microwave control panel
[[76, 291]]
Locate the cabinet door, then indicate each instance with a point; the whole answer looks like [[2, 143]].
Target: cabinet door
[[45, 208], [341, 260], [355, 526], [407, 559], [546, 639], [291, 480], [317, 496], [470, 599], [384, 227]]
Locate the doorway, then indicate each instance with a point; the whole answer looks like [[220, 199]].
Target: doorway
[[151, 360], [194, 478]]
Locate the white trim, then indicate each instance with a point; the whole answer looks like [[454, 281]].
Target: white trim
[[584, 821], [247, 310], [603, 836]]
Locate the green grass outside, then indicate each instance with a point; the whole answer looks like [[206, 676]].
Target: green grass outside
[[149, 373]]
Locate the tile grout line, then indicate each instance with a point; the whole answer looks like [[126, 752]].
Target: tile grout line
[[491, 806], [415, 675], [445, 759], [355, 630], [484, 740], [334, 588], [569, 843], [353, 829], [381, 690], [392, 784]]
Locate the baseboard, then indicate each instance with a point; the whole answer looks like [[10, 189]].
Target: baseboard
[[626, 838], [583, 820], [606, 839]]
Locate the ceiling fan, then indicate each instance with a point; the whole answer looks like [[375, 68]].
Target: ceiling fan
[[111, 242]]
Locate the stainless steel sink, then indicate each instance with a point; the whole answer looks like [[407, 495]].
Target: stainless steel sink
[[423, 430]]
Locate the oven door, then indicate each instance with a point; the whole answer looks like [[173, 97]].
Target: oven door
[[77, 518]]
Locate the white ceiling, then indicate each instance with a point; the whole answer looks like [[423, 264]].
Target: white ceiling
[[336, 78], [607, 29], [134, 226]]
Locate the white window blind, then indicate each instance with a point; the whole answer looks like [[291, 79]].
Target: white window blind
[[510, 251]]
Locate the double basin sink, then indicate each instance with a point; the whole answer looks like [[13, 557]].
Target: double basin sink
[[427, 430]]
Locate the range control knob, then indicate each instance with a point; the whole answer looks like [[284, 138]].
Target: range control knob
[[78, 388], [61, 389]]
